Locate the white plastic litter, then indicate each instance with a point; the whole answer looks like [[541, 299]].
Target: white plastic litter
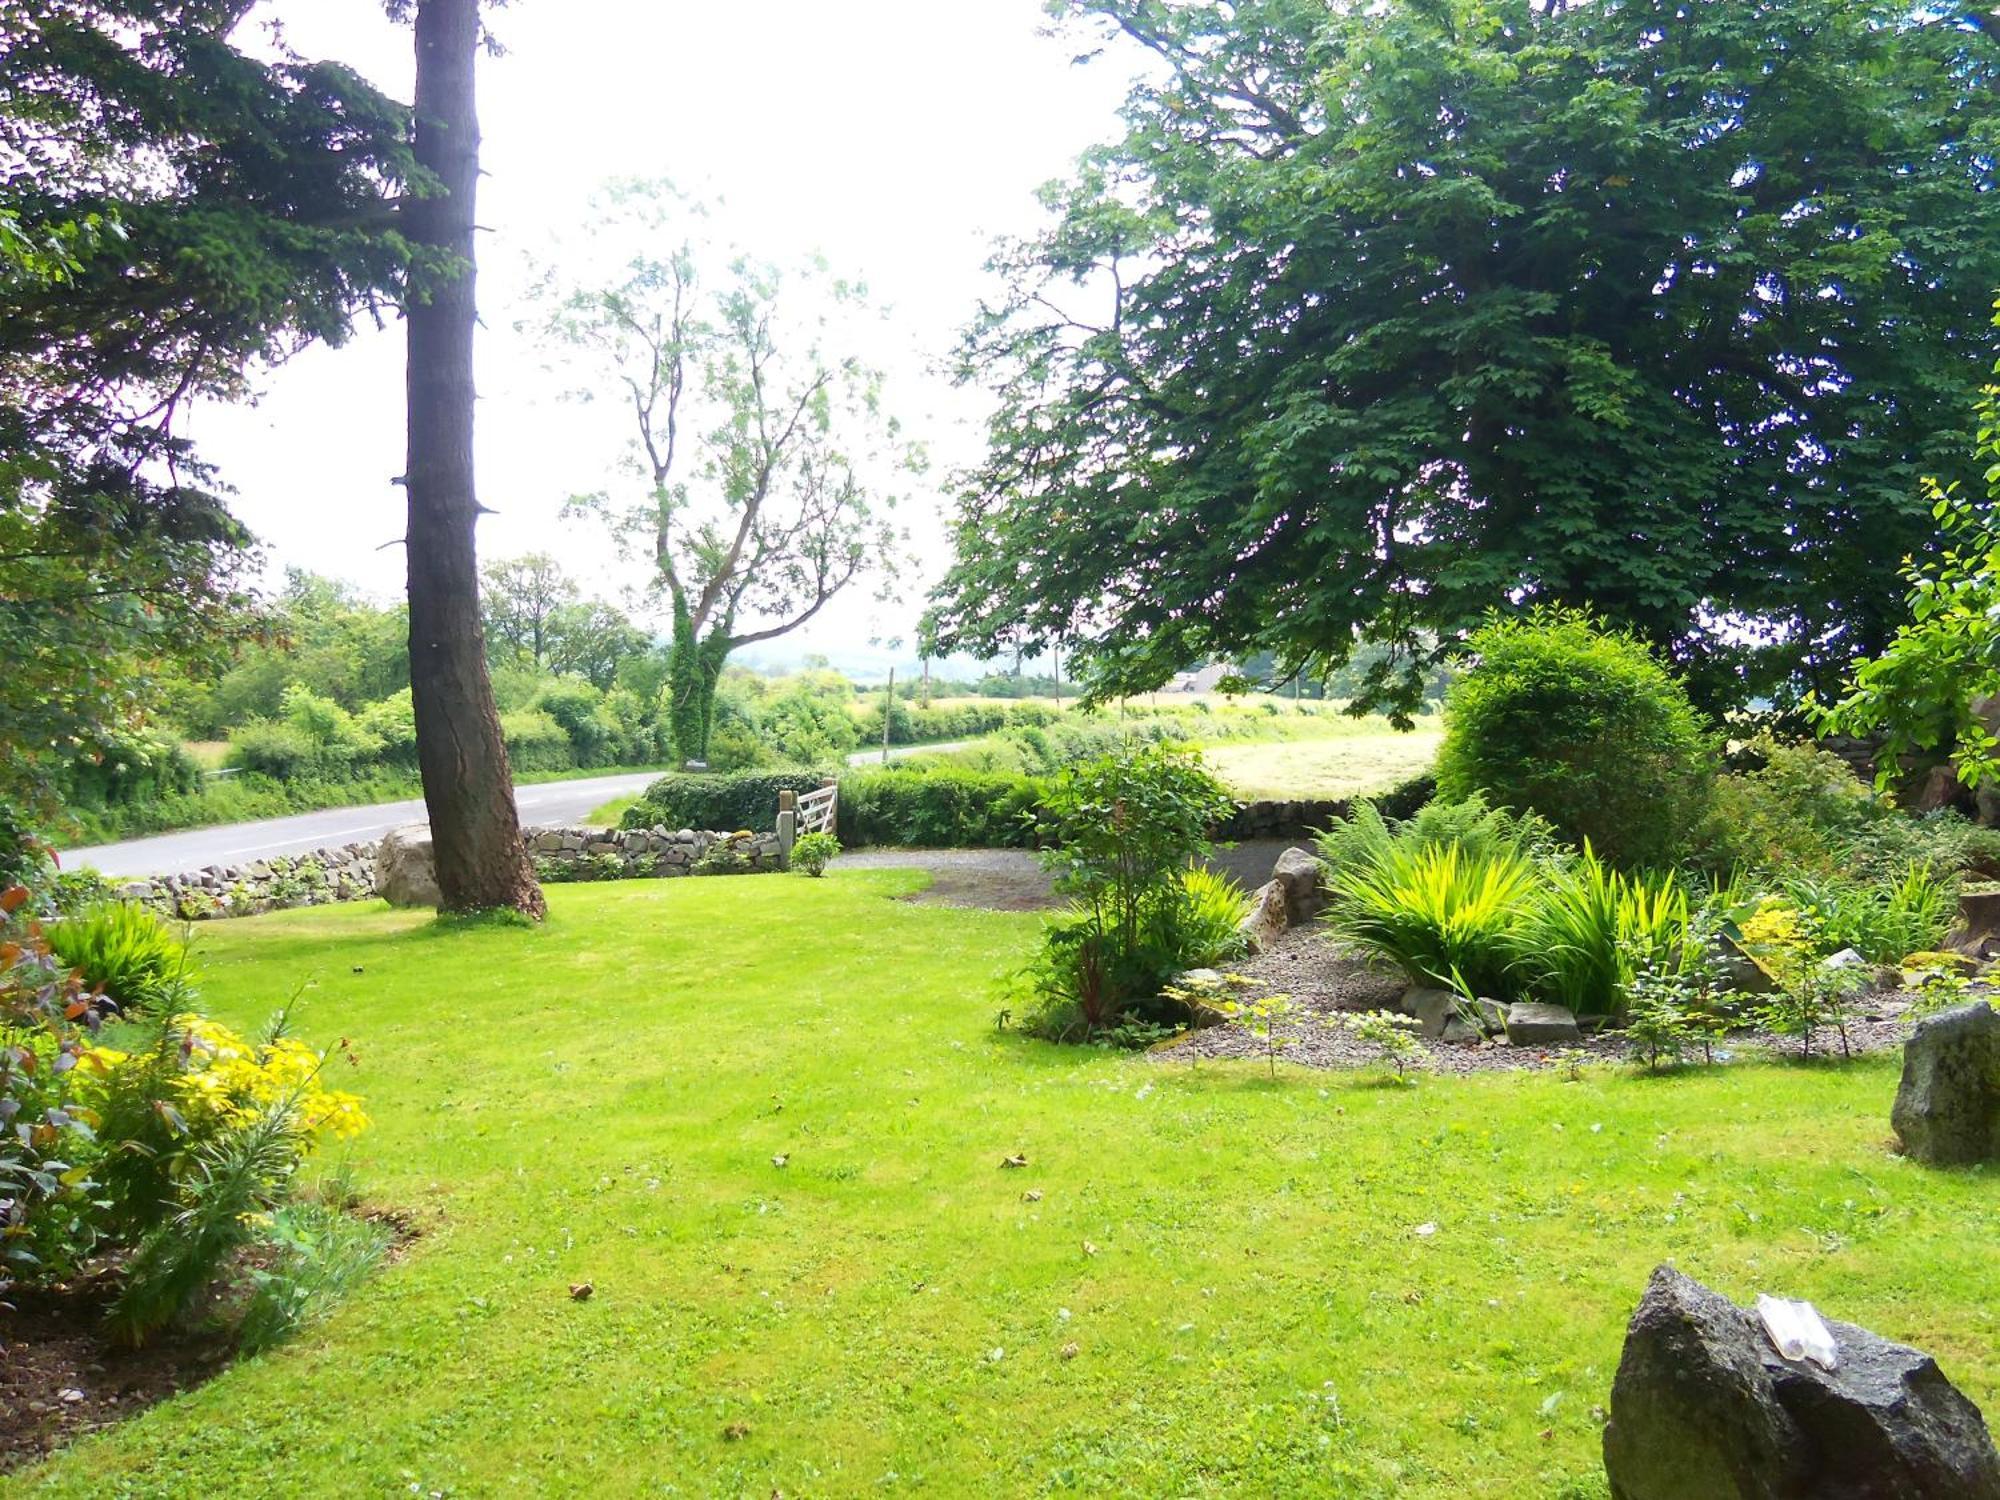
[[1797, 1331]]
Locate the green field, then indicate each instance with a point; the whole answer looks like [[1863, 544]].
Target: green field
[[1370, 758], [1203, 1281]]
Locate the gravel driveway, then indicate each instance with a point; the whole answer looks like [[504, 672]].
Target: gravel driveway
[[1013, 880]]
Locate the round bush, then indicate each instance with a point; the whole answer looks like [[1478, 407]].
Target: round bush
[[1583, 725]]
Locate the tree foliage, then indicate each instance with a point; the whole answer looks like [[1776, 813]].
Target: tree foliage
[[1934, 688], [758, 451], [172, 211], [1380, 316]]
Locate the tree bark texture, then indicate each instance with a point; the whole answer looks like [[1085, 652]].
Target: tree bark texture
[[468, 786]]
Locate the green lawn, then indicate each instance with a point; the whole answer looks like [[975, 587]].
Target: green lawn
[[1370, 758], [601, 1100]]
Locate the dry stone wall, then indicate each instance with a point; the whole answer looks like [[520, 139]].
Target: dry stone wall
[[347, 873], [562, 854], [320, 878]]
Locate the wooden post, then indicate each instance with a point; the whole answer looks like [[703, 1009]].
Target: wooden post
[[788, 827], [888, 715], [1058, 677], [927, 682]]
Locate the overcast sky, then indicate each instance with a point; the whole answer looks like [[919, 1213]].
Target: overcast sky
[[895, 137]]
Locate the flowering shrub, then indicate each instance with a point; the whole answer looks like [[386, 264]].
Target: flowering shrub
[[162, 1160], [226, 1082]]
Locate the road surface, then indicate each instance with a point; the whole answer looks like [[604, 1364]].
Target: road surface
[[898, 752], [549, 803]]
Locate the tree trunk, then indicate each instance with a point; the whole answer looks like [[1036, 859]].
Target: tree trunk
[[468, 787]]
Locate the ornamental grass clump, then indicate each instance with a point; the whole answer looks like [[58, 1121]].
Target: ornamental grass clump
[[127, 954], [1483, 902], [1445, 917]]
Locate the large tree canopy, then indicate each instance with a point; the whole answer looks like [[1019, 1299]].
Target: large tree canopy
[[1381, 316], [171, 210]]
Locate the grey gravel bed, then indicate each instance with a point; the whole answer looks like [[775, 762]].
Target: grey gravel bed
[[1322, 981]]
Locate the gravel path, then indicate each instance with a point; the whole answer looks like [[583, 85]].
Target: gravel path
[[1013, 880]]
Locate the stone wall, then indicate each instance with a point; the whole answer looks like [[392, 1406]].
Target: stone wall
[[319, 878], [565, 854], [1282, 820]]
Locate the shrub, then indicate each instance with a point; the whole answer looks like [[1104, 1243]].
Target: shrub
[[1882, 922], [943, 808], [281, 751], [1562, 717], [1124, 830], [126, 953], [23, 856], [813, 852], [1791, 946], [718, 801], [155, 1165], [578, 708], [536, 742]]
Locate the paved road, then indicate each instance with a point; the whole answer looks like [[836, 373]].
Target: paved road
[[551, 802], [897, 752]]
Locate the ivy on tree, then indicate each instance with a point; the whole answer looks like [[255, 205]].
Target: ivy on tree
[[1381, 316]]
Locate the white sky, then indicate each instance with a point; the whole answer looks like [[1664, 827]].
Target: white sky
[[896, 137]]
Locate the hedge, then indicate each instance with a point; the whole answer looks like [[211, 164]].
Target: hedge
[[938, 809], [720, 802]]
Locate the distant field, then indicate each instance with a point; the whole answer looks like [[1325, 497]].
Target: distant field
[[208, 754], [1371, 759]]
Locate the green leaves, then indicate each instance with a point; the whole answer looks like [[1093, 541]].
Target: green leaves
[[1382, 316]]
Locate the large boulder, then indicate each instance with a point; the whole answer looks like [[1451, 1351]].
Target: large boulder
[[406, 867], [1704, 1408], [1947, 1109], [1300, 874]]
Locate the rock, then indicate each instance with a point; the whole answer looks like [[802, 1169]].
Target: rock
[[405, 868], [1266, 918], [1492, 1016], [1434, 1009], [1977, 932], [1941, 788], [1704, 1408], [1530, 1023], [1738, 971], [1300, 874], [1846, 958], [1947, 1110], [1458, 1031]]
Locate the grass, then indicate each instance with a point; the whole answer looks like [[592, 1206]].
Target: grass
[[602, 1099], [1369, 758], [606, 815]]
